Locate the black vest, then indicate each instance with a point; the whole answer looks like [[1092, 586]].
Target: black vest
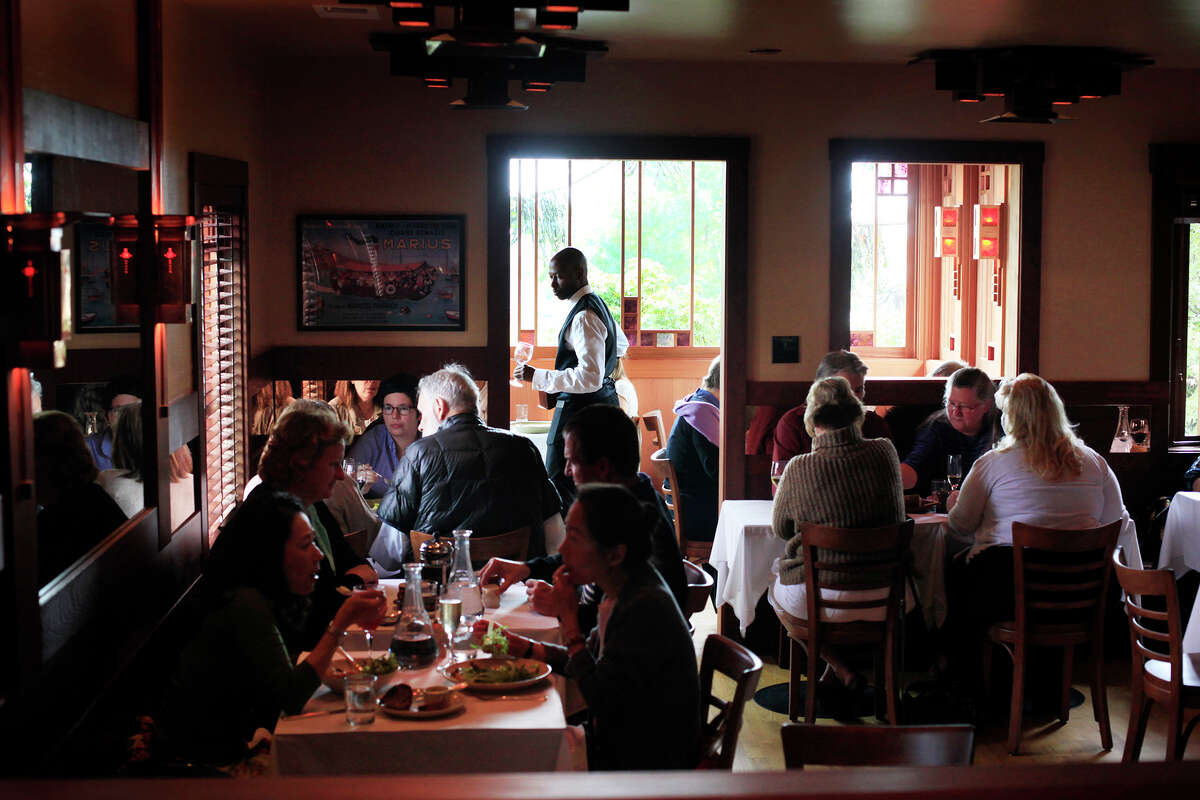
[[568, 358]]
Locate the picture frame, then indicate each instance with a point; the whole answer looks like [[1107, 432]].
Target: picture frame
[[93, 292], [398, 272]]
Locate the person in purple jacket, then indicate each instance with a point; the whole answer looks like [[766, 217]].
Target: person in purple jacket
[[694, 450]]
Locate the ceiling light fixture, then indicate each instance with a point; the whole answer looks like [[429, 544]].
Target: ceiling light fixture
[[1032, 80], [484, 45]]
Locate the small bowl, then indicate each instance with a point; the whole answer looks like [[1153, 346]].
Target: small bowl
[[433, 697]]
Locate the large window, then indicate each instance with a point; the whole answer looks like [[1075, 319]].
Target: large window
[[1191, 376], [879, 267], [653, 233]]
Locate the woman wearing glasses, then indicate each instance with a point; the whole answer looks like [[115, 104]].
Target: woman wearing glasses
[[385, 441], [967, 428]]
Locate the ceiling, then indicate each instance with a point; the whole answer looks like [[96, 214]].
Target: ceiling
[[856, 31]]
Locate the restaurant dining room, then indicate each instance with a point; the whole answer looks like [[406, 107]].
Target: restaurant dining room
[[751, 387]]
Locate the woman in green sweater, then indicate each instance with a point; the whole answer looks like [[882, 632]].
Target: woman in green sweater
[[237, 675]]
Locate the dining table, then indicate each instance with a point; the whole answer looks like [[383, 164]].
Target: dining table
[[519, 731], [745, 548], [1180, 552]]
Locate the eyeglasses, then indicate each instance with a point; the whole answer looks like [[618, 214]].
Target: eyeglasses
[[403, 411], [963, 408]]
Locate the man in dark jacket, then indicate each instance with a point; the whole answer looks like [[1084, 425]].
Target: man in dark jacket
[[601, 446], [463, 474]]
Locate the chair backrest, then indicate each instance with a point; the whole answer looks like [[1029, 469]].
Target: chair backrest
[[667, 485], [654, 424], [877, 745], [1145, 624], [878, 563], [699, 587], [719, 735], [1061, 575], [513, 545]]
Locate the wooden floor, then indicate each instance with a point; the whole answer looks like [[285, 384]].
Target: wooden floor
[[1045, 740]]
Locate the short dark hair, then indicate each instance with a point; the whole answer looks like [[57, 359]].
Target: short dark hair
[[604, 431], [402, 383], [970, 378], [572, 258], [249, 550], [840, 361], [615, 517], [59, 448]]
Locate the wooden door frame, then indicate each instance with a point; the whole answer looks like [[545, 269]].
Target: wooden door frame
[[735, 152]]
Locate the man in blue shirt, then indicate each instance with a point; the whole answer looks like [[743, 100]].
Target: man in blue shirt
[[967, 427]]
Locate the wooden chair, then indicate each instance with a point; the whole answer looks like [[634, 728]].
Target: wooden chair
[[1050, 586], [699, 588], [719, 736], [512, 545], [882, 552], [654, 424], [1163, 673], [877, 745]]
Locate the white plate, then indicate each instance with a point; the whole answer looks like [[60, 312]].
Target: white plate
[[455, 704], [454, 673]]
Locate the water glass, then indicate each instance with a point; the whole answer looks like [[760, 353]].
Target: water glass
[[522, 412], [360, 699], [940, 489], [349, 467]]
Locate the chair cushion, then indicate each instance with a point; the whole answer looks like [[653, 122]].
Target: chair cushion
[[1162, 671]]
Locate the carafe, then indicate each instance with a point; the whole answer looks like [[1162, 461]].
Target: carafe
[[463, 583], [1122, 443], [413, 642]]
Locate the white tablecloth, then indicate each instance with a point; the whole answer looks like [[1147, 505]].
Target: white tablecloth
[[745, 547], [1181, 552], [489, 736], [535, 431]]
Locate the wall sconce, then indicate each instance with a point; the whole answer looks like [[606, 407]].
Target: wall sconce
[[987, 231], [945, 243], [557, 18], [37, 296], [171, 267]]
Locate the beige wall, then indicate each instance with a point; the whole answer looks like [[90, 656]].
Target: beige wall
[[345, 137]]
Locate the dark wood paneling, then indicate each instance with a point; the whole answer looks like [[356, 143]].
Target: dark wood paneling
[[1045, 782], [297, 363]]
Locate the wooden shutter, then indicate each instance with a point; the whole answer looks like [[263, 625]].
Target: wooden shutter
[[223, 374]]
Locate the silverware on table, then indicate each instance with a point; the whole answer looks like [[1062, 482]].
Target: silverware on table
[[338, 710]]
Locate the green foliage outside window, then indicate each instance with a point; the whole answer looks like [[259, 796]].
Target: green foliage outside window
[[1191, 422]]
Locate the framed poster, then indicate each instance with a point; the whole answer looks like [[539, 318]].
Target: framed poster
[[381, 273], [94, 293]]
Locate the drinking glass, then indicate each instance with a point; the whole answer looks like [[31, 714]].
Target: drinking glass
[[521, 354], [941, 490], [522, 412], [362, 475], [370, 625], [350, 468], [777, 468], [1139, 431], [954, 471], [360, 699]]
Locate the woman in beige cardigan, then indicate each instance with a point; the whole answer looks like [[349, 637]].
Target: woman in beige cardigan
[[846, 482]]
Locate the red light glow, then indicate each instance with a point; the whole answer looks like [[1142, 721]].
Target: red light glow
[[949, 217], [170, 256], [563, 9], [988, 248], [125, 255], [968, 100], [949, 246], [405, 4], [557, 28], [413, 23], [989, 215], [29, 271]]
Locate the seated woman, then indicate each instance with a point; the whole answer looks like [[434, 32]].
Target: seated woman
[[304, 457], [694, 452], [385, 441], [357, 403], [1040, 473], [124, 481], [637, 668], [845, 482], [74, 512], [237, 674]]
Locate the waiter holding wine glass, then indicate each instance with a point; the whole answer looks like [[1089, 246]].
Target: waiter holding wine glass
[[588, 348]]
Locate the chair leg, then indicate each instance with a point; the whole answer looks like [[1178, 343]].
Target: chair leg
[[1064, 700], [889, 676], [1018, 692], [793, 680], [1100, 698], [1174, 720], [1139, 715], [812, 664]]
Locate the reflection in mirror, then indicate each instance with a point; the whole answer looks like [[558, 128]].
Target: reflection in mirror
[[265, 408], [74, 512], [185, 483], [357, 403]]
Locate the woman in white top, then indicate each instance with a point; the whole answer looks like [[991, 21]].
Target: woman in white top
[[1040, 473]]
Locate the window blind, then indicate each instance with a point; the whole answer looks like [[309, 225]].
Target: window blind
[[223, 348]]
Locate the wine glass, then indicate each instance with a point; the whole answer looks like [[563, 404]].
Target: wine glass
[[521, 354], [1139, 431], [349, 467], [363, 475], [954, 471], [777, 468], [370, 625]]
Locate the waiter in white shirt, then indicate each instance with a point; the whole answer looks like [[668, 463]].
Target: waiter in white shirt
[[588, 348]]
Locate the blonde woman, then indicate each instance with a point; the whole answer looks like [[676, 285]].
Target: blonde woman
[[1040, 473]]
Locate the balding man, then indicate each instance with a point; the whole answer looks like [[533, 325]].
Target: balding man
[[588, 348], [463, 474]]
